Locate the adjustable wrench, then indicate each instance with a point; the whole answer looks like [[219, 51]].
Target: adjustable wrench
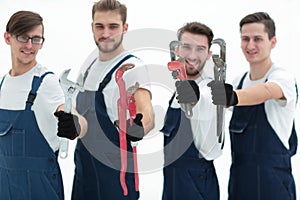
[[179, 72], [69, 88]]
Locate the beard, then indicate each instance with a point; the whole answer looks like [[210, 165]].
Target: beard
[[107, 49], [197, 70]]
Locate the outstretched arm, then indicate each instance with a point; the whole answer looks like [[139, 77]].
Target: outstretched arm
[[259, 93]]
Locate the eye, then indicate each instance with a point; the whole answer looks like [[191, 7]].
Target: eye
[[22, 38], [257, 39], [245, 39], [114, 26], [37, 40], [200, 49], [186, 47], [99, 26]]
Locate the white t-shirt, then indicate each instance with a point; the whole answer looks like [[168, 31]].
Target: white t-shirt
[[280, 113], [14, 93], [99, 69], [204, 122]]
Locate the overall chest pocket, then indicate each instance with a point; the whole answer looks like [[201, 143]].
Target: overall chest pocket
[[12, 141]]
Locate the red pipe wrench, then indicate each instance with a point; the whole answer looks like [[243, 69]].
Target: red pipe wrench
[[179, 72], [126, 102]]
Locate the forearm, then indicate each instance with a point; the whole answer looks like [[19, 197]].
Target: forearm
[[259, 93], [144, 106]]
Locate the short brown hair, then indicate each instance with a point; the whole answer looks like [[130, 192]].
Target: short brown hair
[[260, 17], [110, 5], [23, 21], [196, 28]]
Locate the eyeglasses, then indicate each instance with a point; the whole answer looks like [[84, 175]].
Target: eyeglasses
[[34, 39]]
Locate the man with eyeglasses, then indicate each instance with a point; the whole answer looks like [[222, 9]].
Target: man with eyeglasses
[[31, 117]]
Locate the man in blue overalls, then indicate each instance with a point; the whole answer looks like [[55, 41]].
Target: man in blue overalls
[[262, 131], [191, 144], [97, 155], [30, 100]]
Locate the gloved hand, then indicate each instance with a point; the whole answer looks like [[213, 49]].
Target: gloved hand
[[135, 132], [188, 91], [222, 93], [68, 125]]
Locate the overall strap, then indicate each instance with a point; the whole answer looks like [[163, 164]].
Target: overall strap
[[107, 78], [172, 98], [241, 81], [36, 82], [2, 82]]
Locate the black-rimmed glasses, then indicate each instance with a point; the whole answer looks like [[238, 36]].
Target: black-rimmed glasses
[[25, 39]]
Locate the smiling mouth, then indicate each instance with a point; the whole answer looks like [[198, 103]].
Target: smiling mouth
[[27, 52]]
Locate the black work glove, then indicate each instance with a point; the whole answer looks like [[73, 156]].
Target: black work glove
[[222, 93], [188, 91], [68, 125], [135, 132]]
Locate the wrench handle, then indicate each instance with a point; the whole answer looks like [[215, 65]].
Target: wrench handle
[[64, 142]]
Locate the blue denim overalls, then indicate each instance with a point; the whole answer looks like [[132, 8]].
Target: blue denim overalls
[[28, 166], [261, 164], [188, 177], [94, 179]]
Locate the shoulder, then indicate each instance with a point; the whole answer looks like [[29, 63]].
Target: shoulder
[[50, 79], [131, 58], [282, 77], [91, 58], [280, 73]]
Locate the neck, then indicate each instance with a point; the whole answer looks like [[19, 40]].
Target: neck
[[259, 70], [194, 77], [108, 56], [19, 69]]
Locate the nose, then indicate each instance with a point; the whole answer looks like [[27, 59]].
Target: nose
[[29, 43], [106, 32], [193, 55], [251, 44]]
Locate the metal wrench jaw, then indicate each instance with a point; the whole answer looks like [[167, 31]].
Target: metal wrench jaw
[[219, 68], [70, 86], [173, 44], [122, 69]]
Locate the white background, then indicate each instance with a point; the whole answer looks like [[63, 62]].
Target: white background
[[69, 40]]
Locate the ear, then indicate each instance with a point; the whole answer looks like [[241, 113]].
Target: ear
[[7, 38], [125, 29], [273, 42], [209, 55]]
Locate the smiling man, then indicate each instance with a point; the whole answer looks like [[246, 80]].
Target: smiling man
[[262, 130], [191, 144], [97, 155], [30, 99]]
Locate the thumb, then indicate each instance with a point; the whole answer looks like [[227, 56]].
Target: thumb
[[138, 119], [211, 83], [58, 113]]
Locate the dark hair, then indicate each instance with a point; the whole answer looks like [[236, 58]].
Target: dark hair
[[110, 5], [196, 28], [23, 21], [260, 17]]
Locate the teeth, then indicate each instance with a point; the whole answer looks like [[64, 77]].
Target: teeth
[[27, 52]]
